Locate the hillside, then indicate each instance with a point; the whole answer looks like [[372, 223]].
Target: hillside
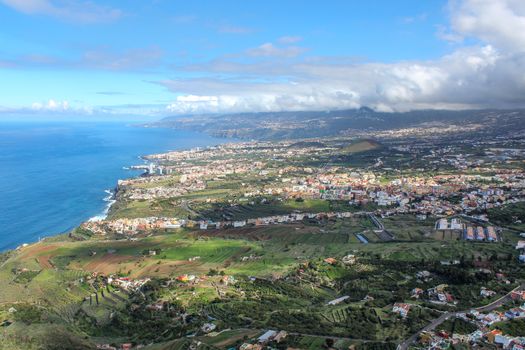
[[356, 122]]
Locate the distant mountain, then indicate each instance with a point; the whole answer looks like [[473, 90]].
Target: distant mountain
[[311, 124]]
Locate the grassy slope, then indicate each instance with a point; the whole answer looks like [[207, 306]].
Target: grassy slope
[[59, 265]]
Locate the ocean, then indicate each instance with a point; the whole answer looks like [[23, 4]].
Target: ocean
[[55, 175]]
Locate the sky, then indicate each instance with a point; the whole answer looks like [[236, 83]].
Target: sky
[[156, 58]]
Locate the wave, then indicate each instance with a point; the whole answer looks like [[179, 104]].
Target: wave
[[110, 199]]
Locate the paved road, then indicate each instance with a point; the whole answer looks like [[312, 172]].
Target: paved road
[[436, 322]]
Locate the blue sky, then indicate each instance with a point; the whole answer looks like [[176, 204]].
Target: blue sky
[[174, 57]]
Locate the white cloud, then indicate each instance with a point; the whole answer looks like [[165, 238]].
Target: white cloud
[[51, 105], [470, 77], [70, 10], [488, 75], [56, 106], [500, 23], [446, 34], [289, 39], [271, 50]]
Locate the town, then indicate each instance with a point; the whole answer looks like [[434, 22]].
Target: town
[[337, 243]]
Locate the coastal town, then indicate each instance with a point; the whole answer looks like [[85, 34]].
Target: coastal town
[[262, 175], [194, 179], [326, 243], [226, 188]]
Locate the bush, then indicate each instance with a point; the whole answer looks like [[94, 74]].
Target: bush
[[27, 313]]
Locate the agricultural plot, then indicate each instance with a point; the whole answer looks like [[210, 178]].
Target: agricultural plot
[[101, 307], [408, 228], [221, 211], [147, 208]]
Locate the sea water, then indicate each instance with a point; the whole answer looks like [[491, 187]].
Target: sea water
[[55, 175]]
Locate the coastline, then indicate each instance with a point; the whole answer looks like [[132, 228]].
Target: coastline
[[91, 156], [110, 199]]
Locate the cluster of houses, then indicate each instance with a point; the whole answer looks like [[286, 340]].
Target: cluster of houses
[[417, 194], [485, 332], [444, 340], [127, 283], [190, 171], [133, 226], [437, 294], [432, 193]]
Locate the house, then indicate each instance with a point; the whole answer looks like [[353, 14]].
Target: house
[[106, 347], [455, 224], [449, 262], [491, 234], [208, 327], [416, 293], [518, 295], [183, 278], [442, 224], [349, 259], [480, 233], [402, 309], [267, 336], [240, 223], [516, 312], [486, 293], [469, 234], [449, 298], [330, 261], [491, 336], [338, 300], [227, 279], [173, 224], [502, 339], [423, 275], [280, 336]]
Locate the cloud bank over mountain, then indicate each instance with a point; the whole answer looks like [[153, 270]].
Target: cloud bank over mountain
[[488, 73]]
